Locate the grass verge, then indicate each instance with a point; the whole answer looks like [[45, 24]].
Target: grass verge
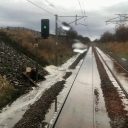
[[7, 92]]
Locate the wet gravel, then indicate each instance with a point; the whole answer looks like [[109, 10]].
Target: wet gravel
[[74, 64], [68, 74], [34, 116], [12, 64], [113, 102]]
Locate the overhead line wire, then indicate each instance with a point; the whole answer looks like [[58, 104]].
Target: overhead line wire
[[50, 4], [40, 7], [82, 11], [80, 7], [88, 31], [51, 12]]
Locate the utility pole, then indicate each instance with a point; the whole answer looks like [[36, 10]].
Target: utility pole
[[56, 25], [56, 36], [77, 18], [36, 48]]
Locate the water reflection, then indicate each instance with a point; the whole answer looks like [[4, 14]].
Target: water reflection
[[78, 111]]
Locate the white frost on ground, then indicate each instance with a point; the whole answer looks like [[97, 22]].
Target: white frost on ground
[[10, 115]]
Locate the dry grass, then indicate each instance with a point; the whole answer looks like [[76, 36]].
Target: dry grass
[[120, 49], [6, 91], [48, 50]]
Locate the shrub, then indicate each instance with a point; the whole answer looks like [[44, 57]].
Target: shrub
[[6, 91]]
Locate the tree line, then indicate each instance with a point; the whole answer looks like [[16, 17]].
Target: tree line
[[120, 35]]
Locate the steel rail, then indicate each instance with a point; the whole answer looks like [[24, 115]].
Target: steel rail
[[60, 110], [123, 68], [117, 80], [94, 120]]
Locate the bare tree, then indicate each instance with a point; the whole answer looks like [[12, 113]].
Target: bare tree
[[121, 33], [107, 37]]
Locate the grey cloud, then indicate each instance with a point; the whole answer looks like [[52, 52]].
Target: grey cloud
[[118, 8], [30, 17]]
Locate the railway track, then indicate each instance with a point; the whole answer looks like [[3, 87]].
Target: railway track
[[111, 87], [60, 115], [77, 111], [53, 122], [115, 77]]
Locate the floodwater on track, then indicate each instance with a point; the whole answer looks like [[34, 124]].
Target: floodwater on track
[[83, 109], [61, 97]]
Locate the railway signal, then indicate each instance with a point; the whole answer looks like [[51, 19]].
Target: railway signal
[[45, 28]]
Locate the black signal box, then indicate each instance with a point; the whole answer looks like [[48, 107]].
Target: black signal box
[[45, 28]]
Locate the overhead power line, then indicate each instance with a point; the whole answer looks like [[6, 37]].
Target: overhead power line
[[86, 25], [80, 7], [40, 7], [82, 11], [50, 4], [84, 8], [76, 20], [51, 13], [121, 19]]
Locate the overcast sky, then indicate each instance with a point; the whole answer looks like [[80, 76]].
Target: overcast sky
[[23, 14]]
